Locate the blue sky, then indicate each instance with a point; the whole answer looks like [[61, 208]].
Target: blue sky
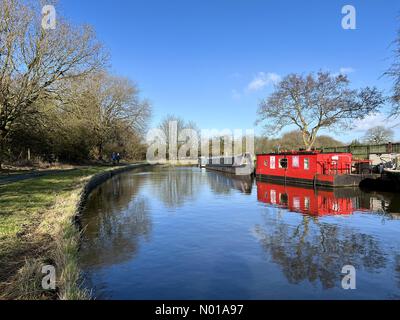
[[211, 61]]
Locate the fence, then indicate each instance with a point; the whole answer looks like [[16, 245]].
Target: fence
[[363, 151]]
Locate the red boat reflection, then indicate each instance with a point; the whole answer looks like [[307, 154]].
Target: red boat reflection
[[306, 200]]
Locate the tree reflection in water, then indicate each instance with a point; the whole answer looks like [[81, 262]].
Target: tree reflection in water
[[176, 186], [317, 251], [115, 220]]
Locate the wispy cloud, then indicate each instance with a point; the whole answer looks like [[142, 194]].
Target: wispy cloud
[[373, 120], [344, 71], [262, 80]]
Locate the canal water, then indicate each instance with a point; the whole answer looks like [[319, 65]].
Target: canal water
[[187, 233]]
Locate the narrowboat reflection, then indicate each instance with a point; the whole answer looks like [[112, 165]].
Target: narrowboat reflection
[[223, 183], [317, 202]]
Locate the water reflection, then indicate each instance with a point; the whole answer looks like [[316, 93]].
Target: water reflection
[[312, 249], [222, 183], [227, 241], [316, 252], [320, 202], [115, 218], [174, 190]]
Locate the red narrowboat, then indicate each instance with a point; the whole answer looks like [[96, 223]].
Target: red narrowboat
[[309, 168], [304, 200]]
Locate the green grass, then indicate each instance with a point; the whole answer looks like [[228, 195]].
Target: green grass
[[36, 227]]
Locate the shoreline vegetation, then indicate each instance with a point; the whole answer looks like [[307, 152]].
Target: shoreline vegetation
[[38, 227]]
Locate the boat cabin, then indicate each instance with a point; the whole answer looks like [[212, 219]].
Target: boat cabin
[[240, 165], [307, 167]]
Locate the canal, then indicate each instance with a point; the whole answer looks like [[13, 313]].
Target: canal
[[186, 233]]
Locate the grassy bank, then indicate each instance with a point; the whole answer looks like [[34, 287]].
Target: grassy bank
[[37, 229]]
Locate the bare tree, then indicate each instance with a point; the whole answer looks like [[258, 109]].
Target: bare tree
[[35, 63], [314, 102], [176, 123], [394, 73], [167, 122], [379, 135], [111, 104]]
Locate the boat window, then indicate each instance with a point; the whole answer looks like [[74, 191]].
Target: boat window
[[296, 203], [283, 163], [273, 197], [272, 163], [306, 164], [266, 163], [295, 162]]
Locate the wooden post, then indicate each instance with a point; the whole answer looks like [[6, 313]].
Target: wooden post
[[389, 148]]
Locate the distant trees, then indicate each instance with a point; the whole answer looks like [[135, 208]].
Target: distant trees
[[55, 96], [172, 125], [313, 102], [379, 135], [292, 140], [181, 124], [356, 142], [166, 123]]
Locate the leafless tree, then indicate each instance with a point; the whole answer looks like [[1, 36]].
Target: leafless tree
[[313, 102], [111, 103], [379, 135], [394, 73], [168, 123], [35, 62]]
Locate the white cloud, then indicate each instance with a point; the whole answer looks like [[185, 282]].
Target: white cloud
[[360, 127], [373, 120], [346, 70], [263, 80]]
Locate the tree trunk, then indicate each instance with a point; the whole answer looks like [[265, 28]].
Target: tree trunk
[[306, 140], [100, 150], [309, 140]]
